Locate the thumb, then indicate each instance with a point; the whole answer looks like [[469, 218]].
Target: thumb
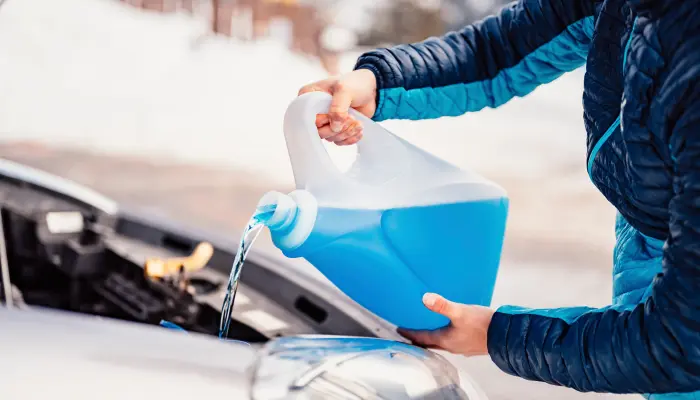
[[440, 305], [338, 112]]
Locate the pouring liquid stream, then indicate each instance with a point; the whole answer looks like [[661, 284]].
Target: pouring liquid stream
[[261, 215]]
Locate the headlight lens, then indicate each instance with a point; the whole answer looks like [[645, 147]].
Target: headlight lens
[[322, 367]]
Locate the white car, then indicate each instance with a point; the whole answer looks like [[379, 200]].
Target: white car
[[82, 319]]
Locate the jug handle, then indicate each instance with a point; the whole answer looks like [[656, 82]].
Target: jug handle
[[380, 151]]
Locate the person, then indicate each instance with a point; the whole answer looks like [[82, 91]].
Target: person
[[642, 116]]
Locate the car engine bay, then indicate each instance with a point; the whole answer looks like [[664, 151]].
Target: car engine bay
[[66, 248], [64, 253]]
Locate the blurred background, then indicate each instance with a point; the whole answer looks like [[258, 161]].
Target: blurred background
[[175, 107]]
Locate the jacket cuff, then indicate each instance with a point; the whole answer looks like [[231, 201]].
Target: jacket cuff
[[370, 63], [497, 341]]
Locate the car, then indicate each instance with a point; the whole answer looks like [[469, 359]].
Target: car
[[86, 318]]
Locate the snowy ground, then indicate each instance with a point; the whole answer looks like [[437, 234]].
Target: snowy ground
[[101, 77]]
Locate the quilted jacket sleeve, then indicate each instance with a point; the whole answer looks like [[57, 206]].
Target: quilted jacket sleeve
[[484, 65], [652, 347]]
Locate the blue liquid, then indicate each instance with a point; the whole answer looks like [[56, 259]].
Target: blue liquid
[[170, 325], [387, 259], [250, 233]]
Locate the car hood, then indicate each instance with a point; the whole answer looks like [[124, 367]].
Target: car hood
[[74, 356]]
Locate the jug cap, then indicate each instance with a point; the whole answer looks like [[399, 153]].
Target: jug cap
[[293, 219], [285, 210]]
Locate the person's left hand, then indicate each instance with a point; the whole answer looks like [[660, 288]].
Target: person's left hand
[[466, 334]]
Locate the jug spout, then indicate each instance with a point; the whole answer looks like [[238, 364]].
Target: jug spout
[[283, 208], [292, 217]]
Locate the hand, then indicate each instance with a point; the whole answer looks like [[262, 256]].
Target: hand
[[466, 334], [356, 89]]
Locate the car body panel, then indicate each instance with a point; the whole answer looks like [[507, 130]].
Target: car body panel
[[59, 355]]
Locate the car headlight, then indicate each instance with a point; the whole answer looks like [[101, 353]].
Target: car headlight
[[322, 367]]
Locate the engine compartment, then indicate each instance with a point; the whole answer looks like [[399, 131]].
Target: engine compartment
[[65, 254]]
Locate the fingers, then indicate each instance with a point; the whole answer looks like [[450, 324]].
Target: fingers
[[350, 141], [422, 338], [309, 88], [340, 104], [321, 120], [351, 129], [440, 305], [337, 126], [320, 86], [325, 132], [341, 139], [350, 134]]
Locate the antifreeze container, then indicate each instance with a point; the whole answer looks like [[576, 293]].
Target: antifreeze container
[[399, 223]]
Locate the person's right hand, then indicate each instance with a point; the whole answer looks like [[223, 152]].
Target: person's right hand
[[356, 89], [467, 333]]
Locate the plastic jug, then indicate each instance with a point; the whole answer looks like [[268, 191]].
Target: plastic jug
[[399, 223]]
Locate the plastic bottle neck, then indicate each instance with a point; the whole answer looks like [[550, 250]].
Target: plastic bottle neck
[[293, 218], [285, 210]]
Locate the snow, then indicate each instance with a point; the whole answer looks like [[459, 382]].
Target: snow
[[100, 75], [103, 76]]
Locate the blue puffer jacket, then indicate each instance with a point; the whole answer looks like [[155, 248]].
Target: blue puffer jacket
[[642, 115]]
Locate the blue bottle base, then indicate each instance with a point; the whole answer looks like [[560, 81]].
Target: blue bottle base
[[386, 260]]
